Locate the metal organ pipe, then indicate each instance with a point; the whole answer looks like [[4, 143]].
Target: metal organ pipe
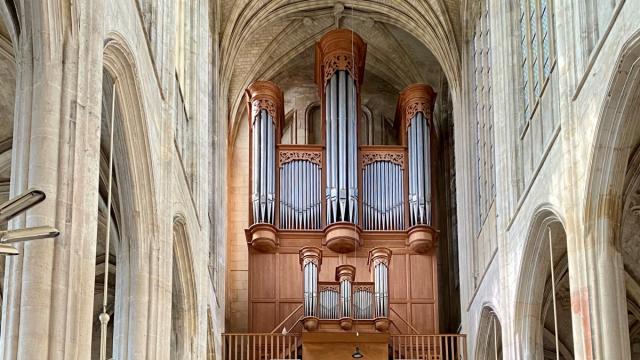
[[416, 108], [379, 259], [339, 72], [265, 102], [310, 261]]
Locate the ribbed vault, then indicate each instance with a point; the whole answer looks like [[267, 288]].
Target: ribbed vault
[[259, 39]]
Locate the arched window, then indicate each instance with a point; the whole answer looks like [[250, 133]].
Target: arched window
[[537, 50], [483, 111]]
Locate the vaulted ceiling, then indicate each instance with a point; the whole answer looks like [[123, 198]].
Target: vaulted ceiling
[[407, 41]]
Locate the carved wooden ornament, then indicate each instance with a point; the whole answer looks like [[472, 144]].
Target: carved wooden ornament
[[413, 99], [268, 96], [340, 49]]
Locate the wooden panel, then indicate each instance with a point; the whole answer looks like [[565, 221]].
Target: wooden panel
[[423, 318], [285, 309], [290, 285], [401, 309], [264, 317], [263, 280], [422, 284], [362, 270], [328, 269], [398, 277]]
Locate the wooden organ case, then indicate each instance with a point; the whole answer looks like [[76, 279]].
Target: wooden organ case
[[340, 237]]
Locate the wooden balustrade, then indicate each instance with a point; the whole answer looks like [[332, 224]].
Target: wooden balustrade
[[431, 347], [261, 346]]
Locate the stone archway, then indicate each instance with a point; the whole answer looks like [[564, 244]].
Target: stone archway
[[137, 281], [534, 312], [489, 339], [183, 298], [617, 134]]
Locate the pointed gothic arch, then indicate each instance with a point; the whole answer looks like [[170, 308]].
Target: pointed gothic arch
[[617, 134], [535, 311], [489, 340], [136, 184], [183, 295]]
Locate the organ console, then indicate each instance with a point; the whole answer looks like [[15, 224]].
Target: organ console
[[342, 231]]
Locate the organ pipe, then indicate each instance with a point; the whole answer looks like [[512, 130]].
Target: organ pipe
[[310, 261], [379, 259], [265, 109], [415, 107], [345, 275], [339, 72]]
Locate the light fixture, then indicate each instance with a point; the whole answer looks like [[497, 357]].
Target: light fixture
[[357, 354], [33, 233], [20, 204]]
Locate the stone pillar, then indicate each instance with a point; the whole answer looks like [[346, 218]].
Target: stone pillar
[[49, 286]]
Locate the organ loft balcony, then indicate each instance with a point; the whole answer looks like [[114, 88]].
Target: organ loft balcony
[[342, 244]]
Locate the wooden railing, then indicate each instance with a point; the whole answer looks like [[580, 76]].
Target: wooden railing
[[401, 347], [431, 347], [261, 346]]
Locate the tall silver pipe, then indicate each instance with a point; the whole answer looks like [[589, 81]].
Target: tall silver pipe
[[298, 193], [263, 164], [342, 144], [365, 197], [270, 169], [427, 170], [352, 145], [412, 172], [307, 193], [255, 196], [420, 162], [378, 196], [334, 147]]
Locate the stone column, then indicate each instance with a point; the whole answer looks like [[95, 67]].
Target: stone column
[[49, 286]]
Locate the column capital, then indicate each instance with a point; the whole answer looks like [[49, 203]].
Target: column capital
[[379, 255], [310, 254], [345, 272]]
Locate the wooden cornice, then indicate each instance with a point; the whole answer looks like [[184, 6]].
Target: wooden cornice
[[340, 49]]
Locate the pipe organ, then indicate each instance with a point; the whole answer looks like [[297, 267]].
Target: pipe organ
[[350, 208], [265, 102], [416, 103], [339, 73]]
